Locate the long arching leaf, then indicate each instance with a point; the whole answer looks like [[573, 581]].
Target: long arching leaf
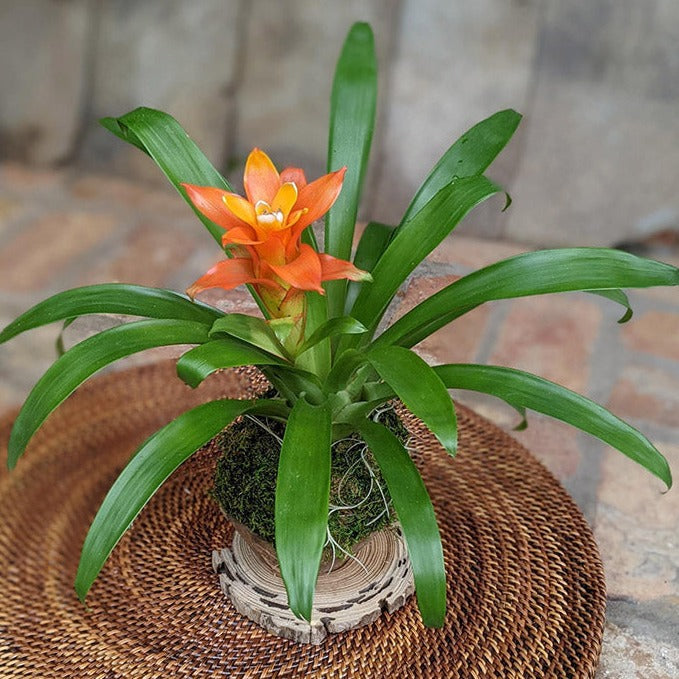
[[160, 136], [345, 366], [619, 297], [196, 364], [249, 329], [373, 243], [352, 119], [414, 240], [420, 389], [470, 155], [416, 515], [532, 273], [111, 298], [523, 390], [86, 358], [302, 497], [340, 325], [59, 343], [150, 466]]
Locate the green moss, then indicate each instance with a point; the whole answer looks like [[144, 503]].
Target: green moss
[[245, 480]]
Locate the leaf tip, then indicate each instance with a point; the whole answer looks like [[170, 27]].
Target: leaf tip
[[108, 122], [433, 612], [626, 316], [302, 611], [187, 376], [515, 114], [81, 586], [14, 451], [523, 424], [362, 28], [667, 480], [82, 595], [451, 447]]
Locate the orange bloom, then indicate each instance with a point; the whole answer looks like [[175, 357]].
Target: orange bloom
[[264, 232]]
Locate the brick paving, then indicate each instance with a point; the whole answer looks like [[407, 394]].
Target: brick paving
[[59, 229]]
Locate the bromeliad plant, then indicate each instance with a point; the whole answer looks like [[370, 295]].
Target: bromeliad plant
[[320, 343]]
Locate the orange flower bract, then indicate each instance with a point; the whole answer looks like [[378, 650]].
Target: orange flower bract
[[264, 231]]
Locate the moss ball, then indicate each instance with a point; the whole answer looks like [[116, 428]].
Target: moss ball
[[245, 480]]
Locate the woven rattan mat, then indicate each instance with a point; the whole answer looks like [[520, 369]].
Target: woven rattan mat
[[525, 583]]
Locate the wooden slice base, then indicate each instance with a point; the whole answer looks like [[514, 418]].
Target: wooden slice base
[[354, 593]]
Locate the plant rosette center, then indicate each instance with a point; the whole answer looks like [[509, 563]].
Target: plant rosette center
[[247, 470]]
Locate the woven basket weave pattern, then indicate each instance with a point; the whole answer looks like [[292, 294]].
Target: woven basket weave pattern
[[526, 595]]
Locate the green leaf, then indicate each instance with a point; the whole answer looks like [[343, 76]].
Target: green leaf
[[416, 515], [532, 273], [470, 155], [415, 239], [373, 243], [195, 365], [341, 325], [523, 390], [59, 344], [282, 328], [379, 392], [86, 358], [616, 296], [352, 119], [319, 358], [111, 298], [122, 132], [346, 364], [302, 496], [250, 329], [523, 424], [160, 136], [295, 383], [150, 466], [420, 389], [352, 411]]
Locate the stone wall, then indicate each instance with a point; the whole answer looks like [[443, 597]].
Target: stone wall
[[595, 161]]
